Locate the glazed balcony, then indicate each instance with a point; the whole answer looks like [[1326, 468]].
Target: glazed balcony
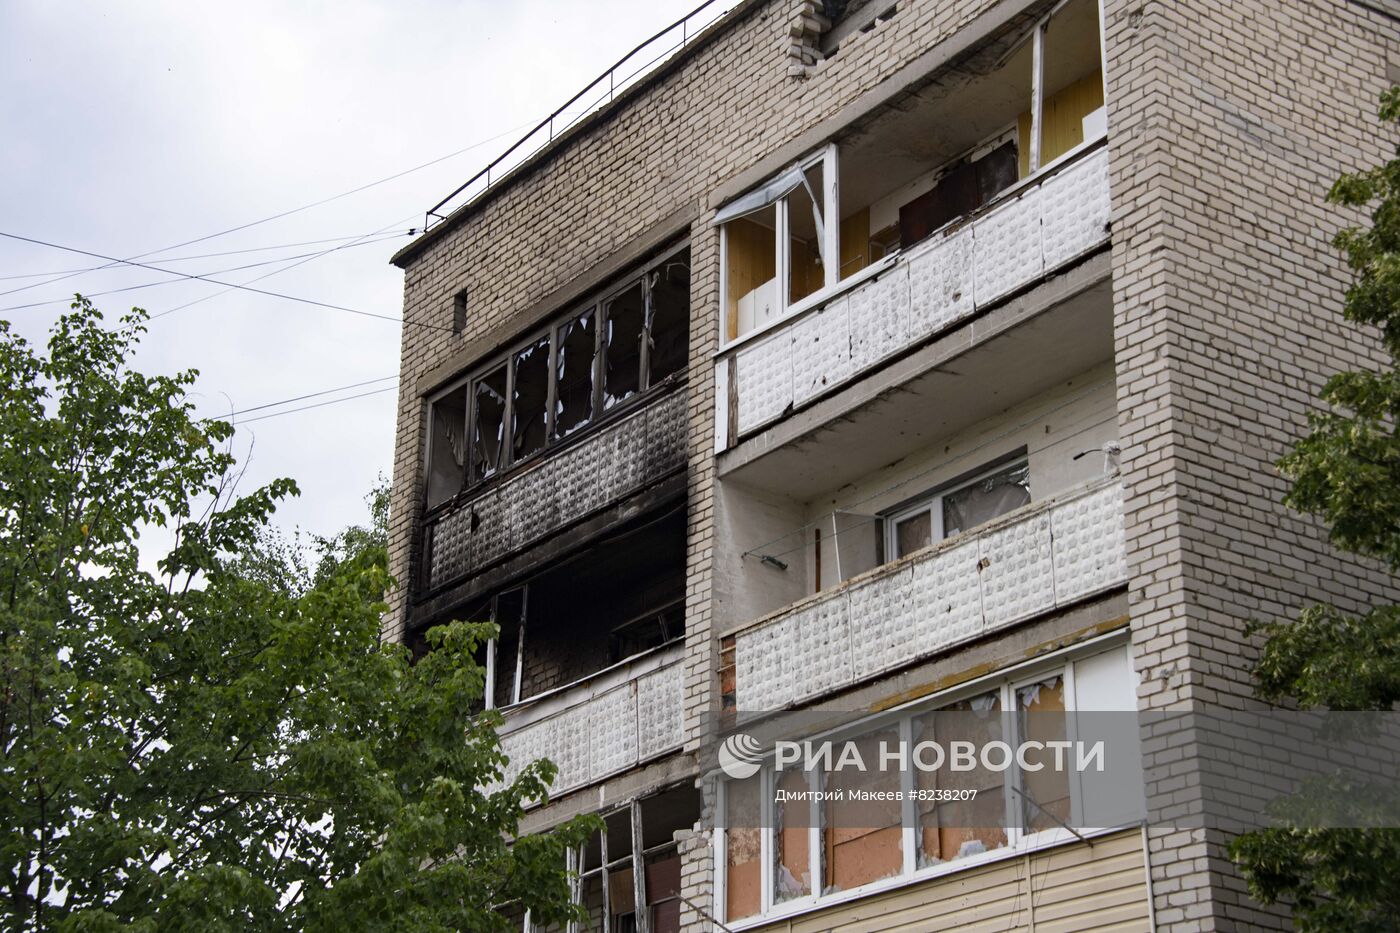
[[1044, 556], [1047, 223]]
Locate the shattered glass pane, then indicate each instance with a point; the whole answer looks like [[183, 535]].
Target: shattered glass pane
[[447, 447], [913, 533], [987, 498], [622, 352], [530, 396], [573, 403], [488, 427], [669, 329]]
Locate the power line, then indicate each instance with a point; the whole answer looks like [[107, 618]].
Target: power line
[[138, 287], [201, 278], [298, 398], [334, 401], [230, 252], [279, 216], [259, 278]]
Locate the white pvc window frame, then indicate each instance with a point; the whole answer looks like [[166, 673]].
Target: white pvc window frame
[[830, 246], [932, 502], [1007, 684]]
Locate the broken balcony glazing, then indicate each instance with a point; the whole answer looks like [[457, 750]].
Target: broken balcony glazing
[[910, 297]]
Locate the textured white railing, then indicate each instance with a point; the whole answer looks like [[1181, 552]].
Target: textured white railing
[[607, 466], [1045, 555], [603, 725], [939, 282]]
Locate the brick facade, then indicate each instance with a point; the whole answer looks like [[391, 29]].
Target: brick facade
[[1228, 121]]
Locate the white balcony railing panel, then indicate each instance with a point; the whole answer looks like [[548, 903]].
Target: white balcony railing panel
[[1045, 556], [592, 730], [934, 285]]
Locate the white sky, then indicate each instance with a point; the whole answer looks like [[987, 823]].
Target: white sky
[[128, 127]]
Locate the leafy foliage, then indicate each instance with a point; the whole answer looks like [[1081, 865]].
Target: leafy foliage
[[223, 743], [1347, 470]]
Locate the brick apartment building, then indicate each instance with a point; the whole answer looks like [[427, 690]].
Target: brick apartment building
[[895, 356]]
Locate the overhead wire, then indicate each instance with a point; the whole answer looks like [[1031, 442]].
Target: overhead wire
[[334, 401], [299, 398], [230, 252], [278, 216], [143, 285], [248, 288], [311, 258]]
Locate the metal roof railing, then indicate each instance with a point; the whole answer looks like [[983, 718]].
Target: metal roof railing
[[633, 66]]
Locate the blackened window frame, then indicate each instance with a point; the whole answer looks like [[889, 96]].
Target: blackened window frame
[[600, 415]]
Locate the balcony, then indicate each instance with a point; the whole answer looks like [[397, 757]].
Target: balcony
[[602, 469], [1048, 223], [1043, 556], [608, 723]]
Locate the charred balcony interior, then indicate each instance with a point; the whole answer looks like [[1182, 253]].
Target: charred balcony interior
[[620, 597], [991, 122], [572, 424]]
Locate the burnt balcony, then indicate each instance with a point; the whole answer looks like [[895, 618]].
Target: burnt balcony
[[1044, 556], [600, 471], [605, 724]]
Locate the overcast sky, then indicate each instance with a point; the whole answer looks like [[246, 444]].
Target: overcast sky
[[129, 127]]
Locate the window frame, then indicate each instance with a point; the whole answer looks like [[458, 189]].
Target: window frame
[[550, 331], [826, 156], [932, 502], [1006, 683]]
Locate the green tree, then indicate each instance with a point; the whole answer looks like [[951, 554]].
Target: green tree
[[223, 743], [1346, 470]]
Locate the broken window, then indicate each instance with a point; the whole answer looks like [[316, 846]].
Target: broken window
[[607, 603], [573, 404], [530, 400], [488, 423], [556, 382], [751, 257], [955, 829], [1067, 102], [1040, 709], [836, 826], [743, 863], [862, 835], [624, 317], [960, 190], [776, 240], [500, 657], [651, 630], [447, 447], [792, 839], [668, 319], [806, 236], [634, 861], [958, 507]]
